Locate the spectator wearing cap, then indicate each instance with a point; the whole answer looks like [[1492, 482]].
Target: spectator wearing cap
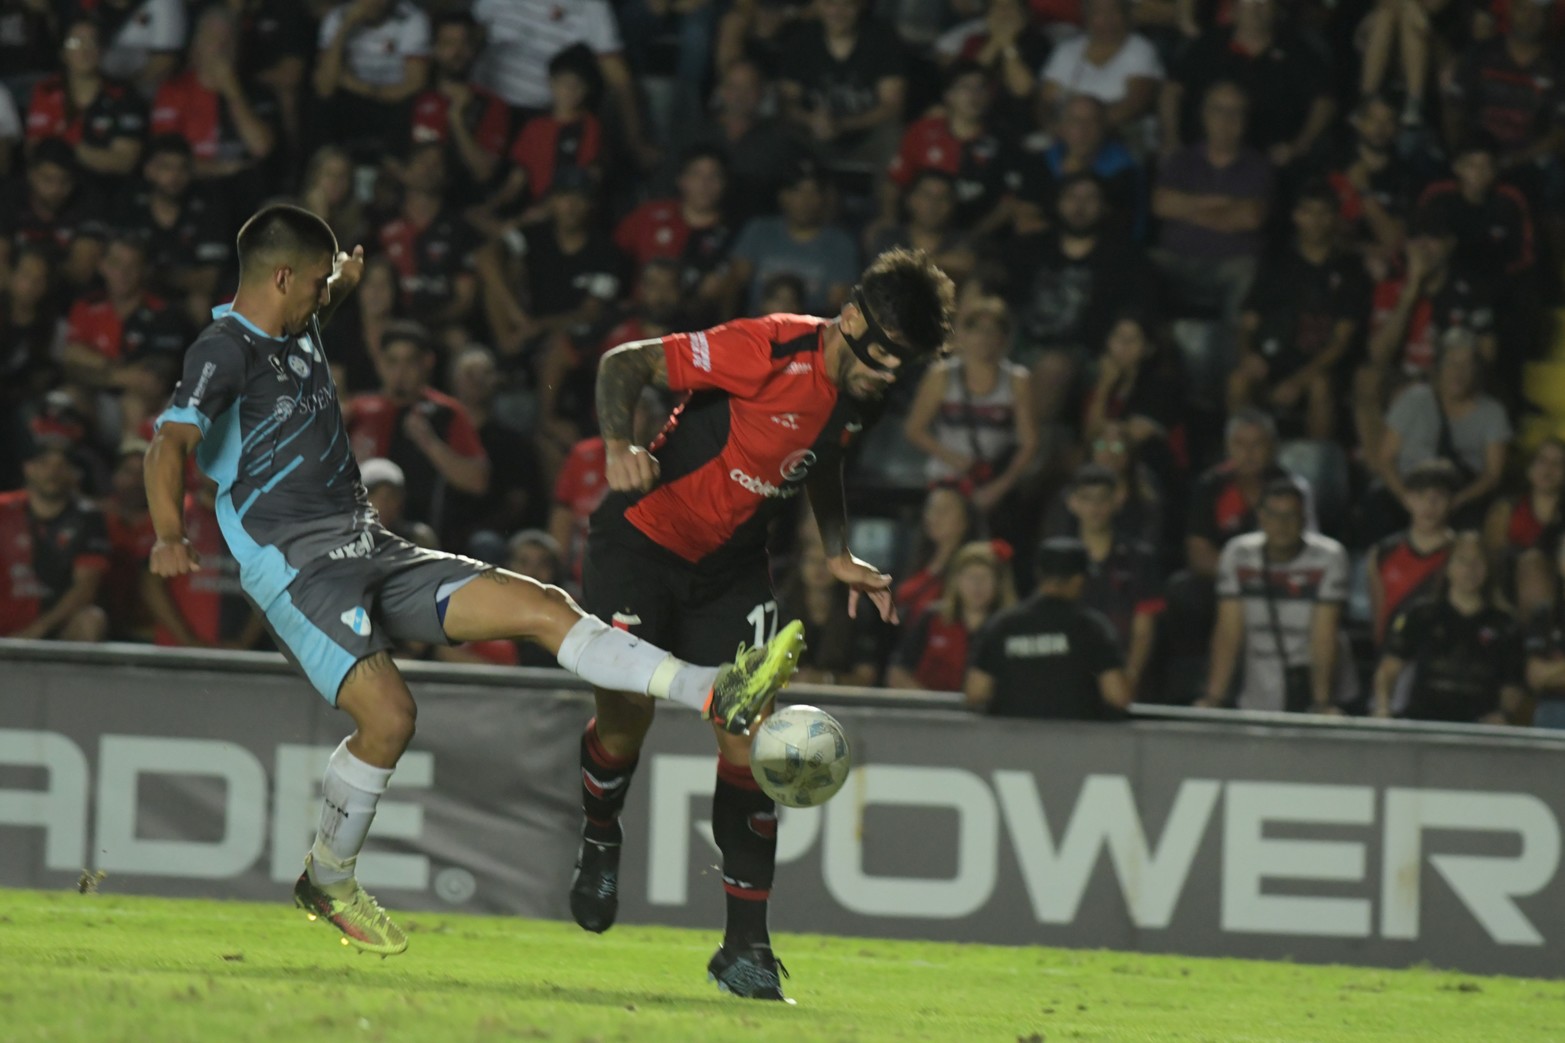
[[1286, 84], [933, 651], [959, 138], [54, 551], [1281, 592], [101, 118], [1108, 62], [1213, 198], [927, 208], [554, 277], [801, 241], [431, 245], [387, 489], [1406, 565], [565, 140], [124, 338], [1300, 317], [1450, 418], [373, 59], [205, 608], [1050, 656], [1124, 576], [232, 126], [1465, 652], [186, 228], [472, 123], [427, 434], [845, 82], [760, 148], [692, 228], [1066, 284], [49, 210]]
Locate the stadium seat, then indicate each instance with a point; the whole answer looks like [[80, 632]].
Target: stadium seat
[[1325, 466]]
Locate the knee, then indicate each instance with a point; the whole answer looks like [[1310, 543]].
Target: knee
[[90, 623], [623, 721], [390, 726]]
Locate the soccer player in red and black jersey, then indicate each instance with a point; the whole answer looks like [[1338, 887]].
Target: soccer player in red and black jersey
[[53, 552], [677, 551]]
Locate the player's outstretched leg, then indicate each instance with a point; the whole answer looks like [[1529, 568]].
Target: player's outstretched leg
[[744, 824], [377, 698]]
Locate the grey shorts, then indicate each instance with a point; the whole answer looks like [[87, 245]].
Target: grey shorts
[[338, 611]]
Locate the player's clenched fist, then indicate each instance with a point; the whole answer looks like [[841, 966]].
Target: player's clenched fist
[[172, 558], [630, 468]]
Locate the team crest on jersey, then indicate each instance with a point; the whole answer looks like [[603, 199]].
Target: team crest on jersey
[[282, 409], [277, 365], [357, 620], [299, 366]]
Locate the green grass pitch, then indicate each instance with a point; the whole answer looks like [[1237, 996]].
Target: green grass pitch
[[103, 968]]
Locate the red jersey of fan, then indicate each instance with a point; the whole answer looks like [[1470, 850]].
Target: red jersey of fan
[[115, 112], [580, 488], [762, 415], [488, 120], [39, 558], [546, 145], [1404, 574]]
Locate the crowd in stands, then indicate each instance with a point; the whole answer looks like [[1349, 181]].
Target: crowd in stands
[[1249, 293]]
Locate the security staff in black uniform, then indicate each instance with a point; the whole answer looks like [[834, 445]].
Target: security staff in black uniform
[[1049, 656]]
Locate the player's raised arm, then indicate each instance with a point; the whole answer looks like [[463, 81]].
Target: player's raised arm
[[623, 374], [164, 473], [347, 270]]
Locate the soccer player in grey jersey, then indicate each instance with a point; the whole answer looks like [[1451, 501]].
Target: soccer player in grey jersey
[[257, 406]]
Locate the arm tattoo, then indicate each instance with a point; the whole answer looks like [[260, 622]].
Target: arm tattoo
[[622, 374]]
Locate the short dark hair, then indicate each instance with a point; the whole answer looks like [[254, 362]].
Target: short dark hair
[[1283, 487], [174, 144], [463, 18], [963, 67], [1317, 190], [54, 151], [909, 296], [1090, 476], [697, 153], [1433, 474], [283, 232], [407, 331], [1061, 557], [1476, 141], [133, 238]]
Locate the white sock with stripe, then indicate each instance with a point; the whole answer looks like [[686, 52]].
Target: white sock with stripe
[[620, 661], [349, 792]]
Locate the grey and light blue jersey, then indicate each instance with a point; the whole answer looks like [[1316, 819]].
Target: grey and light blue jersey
[[275, 442]]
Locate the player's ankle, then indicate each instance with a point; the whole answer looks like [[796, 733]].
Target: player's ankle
[[603, 833]]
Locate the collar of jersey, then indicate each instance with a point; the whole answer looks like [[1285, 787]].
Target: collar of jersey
[[228, 309]]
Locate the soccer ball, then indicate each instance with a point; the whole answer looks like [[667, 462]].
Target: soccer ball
[[800, 756]]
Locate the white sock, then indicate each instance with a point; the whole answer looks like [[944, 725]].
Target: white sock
[[350, 792], [620, 661]]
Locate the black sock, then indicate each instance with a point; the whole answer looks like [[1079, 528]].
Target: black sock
[[744, 824], [605, 780]]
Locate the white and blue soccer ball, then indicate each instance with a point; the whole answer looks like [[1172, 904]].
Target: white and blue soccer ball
[[800, 756]]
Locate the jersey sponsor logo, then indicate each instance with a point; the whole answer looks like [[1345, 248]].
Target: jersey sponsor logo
[[299, 366], [700, 352], [357, 620], [207, 370], [282, 409], [797, 368], [359, 548], [760, 487], [853, 427], [788, 420], [1037, 646], [796, 465]]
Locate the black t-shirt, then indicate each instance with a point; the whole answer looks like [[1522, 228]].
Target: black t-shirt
[[848, 87], [429, 260], [1493, 236], [1515, 105], [199, 236], [1046, 656], [270, 31], [1124, 585], [1299, 303], [1460, 662], [1281, 82], [1070, 303], [82, 217], [560, 282]]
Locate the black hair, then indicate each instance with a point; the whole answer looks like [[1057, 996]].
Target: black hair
[[463, 18], [665, 264], [55, 151], [1476, 141], [909, 297], [785, 279], [1283, 487], [410, 332], [696, 153], [965, 67], [1317, 190], [283, 233], [1433, 474], [173, 144]]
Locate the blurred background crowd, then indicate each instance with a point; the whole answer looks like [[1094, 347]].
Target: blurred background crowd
[[1203, 247]]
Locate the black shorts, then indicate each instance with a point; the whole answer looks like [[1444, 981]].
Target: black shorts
[[699, 615]]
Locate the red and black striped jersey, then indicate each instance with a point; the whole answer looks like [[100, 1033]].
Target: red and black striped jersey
[[763, 413]]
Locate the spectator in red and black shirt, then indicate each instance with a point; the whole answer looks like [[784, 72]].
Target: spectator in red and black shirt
[[1513, 89], [1407, 565], [1124, 576], [1535, 516], [1491, 222], [958, 139], [231, 125], [426, 433], [186, 229], [1373, 185], [103, 120], [1224, 501], [1301, 316], [431, 245], [53, 553], [472, 123], [933, 652], [49, 212], [692, 229], [125, 338], [568, 136]]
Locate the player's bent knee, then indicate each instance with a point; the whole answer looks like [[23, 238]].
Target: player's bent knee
[[377, 698], [90, 623]]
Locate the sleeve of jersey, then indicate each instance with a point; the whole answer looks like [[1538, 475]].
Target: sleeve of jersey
[[92, 548], [212, 380], [735, 357], [1228, 571]]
